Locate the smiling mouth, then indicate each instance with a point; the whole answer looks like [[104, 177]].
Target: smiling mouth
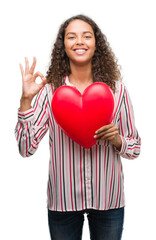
[[80, 51]]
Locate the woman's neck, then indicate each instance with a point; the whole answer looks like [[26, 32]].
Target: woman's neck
[[81, 75]]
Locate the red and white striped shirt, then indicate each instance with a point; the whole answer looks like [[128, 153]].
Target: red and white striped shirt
[[80, 178]]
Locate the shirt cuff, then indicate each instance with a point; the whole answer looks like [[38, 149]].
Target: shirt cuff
[[26, 116], [123, 147]]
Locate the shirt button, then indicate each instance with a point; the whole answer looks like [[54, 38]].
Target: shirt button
[[87, 180]]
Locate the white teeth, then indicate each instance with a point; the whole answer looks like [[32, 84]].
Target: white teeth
[[80, 50]]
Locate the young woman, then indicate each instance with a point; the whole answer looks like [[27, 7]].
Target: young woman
[[80, 180]]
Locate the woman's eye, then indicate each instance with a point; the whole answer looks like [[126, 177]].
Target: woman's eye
[[87, 36], [71, 38]]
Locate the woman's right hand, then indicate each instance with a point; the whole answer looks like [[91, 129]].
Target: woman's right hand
[[29, 87]]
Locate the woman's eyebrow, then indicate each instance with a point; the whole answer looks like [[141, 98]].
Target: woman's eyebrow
[[75, 33], [88, 32]]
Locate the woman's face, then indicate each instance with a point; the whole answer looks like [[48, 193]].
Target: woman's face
[[79, 41]]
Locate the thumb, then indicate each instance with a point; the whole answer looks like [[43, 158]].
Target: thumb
[[44, 81]]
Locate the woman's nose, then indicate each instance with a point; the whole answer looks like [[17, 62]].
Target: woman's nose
[[79, 40]]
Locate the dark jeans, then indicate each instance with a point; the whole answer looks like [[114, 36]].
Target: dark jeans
[[103, 225]]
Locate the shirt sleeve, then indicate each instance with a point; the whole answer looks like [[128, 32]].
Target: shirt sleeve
[[32, 125], [131, 141]]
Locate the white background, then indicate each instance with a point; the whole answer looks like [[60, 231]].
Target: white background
[[28, 28]]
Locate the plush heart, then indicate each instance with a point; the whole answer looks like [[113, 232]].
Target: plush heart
[[80, 115]]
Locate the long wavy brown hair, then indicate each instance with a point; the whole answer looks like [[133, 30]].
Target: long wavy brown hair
[[105, 66]]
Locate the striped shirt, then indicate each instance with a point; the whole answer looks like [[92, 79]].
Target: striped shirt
[[80, 178]]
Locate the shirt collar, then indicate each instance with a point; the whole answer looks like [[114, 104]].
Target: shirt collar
[[67, 82]]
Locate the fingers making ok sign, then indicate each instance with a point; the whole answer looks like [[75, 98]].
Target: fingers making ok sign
[[29, 86]]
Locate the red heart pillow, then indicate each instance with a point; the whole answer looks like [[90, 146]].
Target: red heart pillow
[[80, 115]]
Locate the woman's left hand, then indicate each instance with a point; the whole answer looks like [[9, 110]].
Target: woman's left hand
[[109, 132]]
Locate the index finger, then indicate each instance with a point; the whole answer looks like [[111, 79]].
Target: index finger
[[38, 74], [104, 128]]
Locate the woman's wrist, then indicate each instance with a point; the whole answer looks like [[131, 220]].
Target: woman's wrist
[[118, 142], [25, 104]]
